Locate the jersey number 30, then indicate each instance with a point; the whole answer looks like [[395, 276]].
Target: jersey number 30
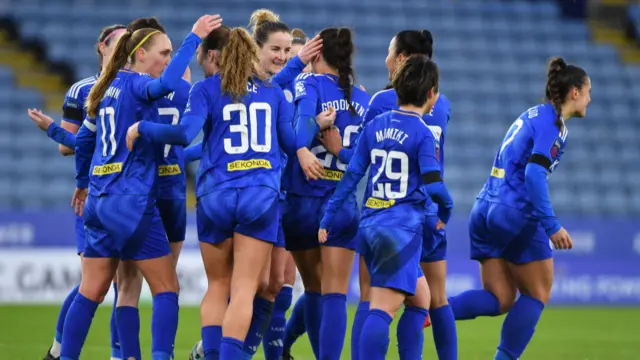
[[383, 190], [243, 130]]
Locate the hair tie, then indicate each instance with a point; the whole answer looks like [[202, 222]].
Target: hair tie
[[112, 34], [144, 39]]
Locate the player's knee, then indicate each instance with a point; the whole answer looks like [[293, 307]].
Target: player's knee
[[168, 282], [94, 291], [541, 293], [275, 284], [506, 299], [438, 299]]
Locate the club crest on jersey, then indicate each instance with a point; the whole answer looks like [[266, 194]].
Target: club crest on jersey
[[288, 95], [300, 90], [555, 149]]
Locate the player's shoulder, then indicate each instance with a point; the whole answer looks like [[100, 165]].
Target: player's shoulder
[[306, 76], [360, 95], [443, 104], [383, 97], [211, 82], [81, 87], [303, 82], [184, 86], [539, 116]]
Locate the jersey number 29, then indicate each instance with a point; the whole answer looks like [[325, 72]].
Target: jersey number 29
[[383, 190]]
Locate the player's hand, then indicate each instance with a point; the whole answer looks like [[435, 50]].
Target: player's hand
[[322, 235], [78, 200], [310, 50], [440, 225], [561, 240], [206, 24], [326, 118], [40, 119], [132, 135], [331, 140], [310, 164]]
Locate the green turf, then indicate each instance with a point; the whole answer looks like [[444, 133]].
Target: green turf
[[26, 333]]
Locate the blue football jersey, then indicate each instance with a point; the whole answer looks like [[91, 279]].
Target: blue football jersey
[[73, 109], [437, 120], [325, 90], [240, 146], [288, 90], [534, 132], [399, 147], [115, 170], [171, 169]]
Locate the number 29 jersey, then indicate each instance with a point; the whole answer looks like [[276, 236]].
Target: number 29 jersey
[[400, 148], [115, 170], [240, 146], [534, 133]]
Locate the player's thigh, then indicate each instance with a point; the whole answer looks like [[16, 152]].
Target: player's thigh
[[422, 296], [534, 278], [436, 276], [290, 269], [364, 279], [496, 278], [309, 267], [392, 256], [97, 274], [250, 256], [279, 257], [174, 218], [337, 265]]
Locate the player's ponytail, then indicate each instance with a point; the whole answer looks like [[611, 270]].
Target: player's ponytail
[[126, 47], [415, 79], [239, 63], [264, 22], [337, 51], [561, 79]]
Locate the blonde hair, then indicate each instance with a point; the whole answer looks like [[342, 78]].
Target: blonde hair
[[239, 63], [263, 23]]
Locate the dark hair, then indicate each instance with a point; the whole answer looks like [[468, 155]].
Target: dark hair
[[239, 63], [142, 23], [217, 39], [264, 23], [299, 37], [106, 38], [337, 51], [131, 40], [561, 79], [414, 79], [409, 42]]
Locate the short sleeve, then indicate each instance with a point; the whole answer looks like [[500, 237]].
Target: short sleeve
[[546, 137], [427, 153], [198, 103], [73, 106], [306, 86]]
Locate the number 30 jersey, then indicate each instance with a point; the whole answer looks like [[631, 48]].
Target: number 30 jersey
[[399, 147], [240, 147], [534, 133]]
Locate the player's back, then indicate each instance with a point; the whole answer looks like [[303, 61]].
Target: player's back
[[171, 168], [534, 132], [347, 122], [240, 145], [394, 196], [116, 170]]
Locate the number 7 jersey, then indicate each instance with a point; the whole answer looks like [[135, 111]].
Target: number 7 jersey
[[240, 147], [534, 133]]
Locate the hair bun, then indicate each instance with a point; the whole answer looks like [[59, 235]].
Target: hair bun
[[557, 64], [426, 35], [262, 16]]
